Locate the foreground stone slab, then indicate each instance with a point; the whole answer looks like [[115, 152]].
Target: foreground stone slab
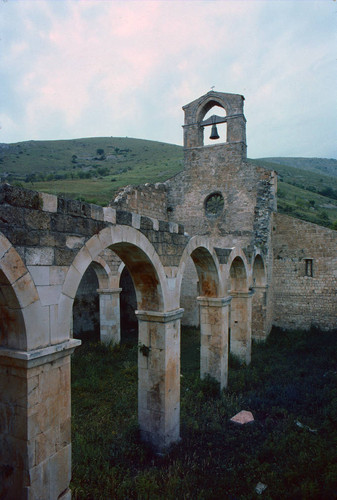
[[243, 417]]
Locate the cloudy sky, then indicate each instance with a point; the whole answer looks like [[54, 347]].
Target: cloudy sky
[[88, 68]]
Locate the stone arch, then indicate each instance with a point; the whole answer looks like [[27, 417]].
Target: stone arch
[[206, 264], [259, 271], [12, 325], [240, 307], [138, 255], [90, 302], [208, 103], [158, 373], [34, 385], [204, 117], [19, 302], [238, 275], [213, 309], [103, 272], [259, 299]]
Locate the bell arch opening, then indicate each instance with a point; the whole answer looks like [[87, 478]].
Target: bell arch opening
[[213, 123]]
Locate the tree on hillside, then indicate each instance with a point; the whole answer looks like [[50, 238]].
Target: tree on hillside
[[100, 153]]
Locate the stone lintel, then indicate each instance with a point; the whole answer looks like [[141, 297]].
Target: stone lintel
[[36, 357], [220, 144], [214, 301], [159, 317], [108, 291]]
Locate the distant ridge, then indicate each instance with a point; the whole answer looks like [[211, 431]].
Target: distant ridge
[[327, 166]]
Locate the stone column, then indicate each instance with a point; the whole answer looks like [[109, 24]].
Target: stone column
[[214, 338], [241, 325], [159, 377], [109, 314], [35, 422], [259, 329]]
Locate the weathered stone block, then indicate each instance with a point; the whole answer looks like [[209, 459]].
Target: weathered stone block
[[123, 217], [43, 256]]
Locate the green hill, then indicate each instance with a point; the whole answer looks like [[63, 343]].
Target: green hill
[[304, 191], [326, 166], [94, 169]]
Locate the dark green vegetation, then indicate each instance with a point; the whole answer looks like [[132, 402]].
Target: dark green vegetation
[[95, 169], [290, 387], [307, 188]]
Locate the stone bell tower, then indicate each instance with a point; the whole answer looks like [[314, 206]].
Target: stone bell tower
[[213, 194], [195, 125]]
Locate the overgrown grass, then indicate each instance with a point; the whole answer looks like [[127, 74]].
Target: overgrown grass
[[290, 387]]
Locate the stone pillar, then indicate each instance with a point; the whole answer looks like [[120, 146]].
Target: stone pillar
[[35, 422], [159, 377], [240, 325], [259, 311], [109, 314], [214, 338]]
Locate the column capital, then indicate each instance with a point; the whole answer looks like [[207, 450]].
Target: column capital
[[214, 301], [158, 316], [36, 357]]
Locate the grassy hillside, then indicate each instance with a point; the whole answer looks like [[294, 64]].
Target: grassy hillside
[[94, 169], [304, 191], [326, 166]]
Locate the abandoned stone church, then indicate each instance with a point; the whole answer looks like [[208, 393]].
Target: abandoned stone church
[[206, 248]]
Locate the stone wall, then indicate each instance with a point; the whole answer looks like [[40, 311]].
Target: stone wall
[[302, 300], [148, 199], [248, 192]]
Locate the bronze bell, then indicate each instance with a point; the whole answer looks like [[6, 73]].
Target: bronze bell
[[214, 132]]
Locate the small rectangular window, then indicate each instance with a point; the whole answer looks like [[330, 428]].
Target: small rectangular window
[[308, 267]]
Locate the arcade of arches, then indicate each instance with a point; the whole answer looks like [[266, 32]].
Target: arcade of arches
[[157, 256]]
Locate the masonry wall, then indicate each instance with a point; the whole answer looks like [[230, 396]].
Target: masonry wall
[[148, 199], [248, 192], [302, 301]]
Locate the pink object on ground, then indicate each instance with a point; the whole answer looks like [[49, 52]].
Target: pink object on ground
[[243, 417]]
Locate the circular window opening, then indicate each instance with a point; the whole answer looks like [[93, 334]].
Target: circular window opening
[[214, 204]]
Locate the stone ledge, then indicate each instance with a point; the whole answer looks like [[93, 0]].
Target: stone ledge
[[214, 301], [159, 317], [108, 291], [41, 356]]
